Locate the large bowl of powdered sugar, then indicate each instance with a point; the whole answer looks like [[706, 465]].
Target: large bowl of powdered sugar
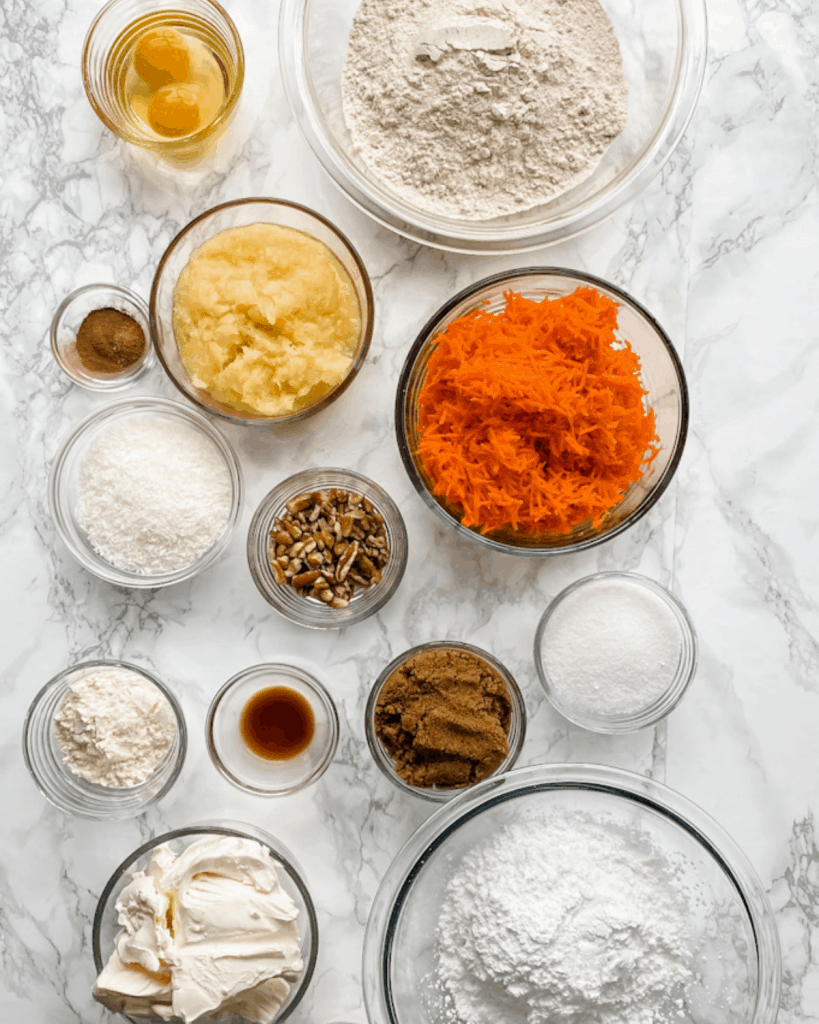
[[500, 126], [572, 893]]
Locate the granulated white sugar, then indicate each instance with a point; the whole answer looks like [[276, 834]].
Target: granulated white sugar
[[611, 647]]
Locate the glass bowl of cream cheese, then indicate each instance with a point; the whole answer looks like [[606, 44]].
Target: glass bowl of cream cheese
[[492, 127], [207, 922], [571, 892]]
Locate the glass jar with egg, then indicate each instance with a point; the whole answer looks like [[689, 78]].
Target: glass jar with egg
[[167, 79]]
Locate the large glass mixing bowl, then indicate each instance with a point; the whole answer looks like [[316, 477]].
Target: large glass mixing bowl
[[663, 45], [731, 936]]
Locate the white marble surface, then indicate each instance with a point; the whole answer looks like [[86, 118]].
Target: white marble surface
[[723, 247]]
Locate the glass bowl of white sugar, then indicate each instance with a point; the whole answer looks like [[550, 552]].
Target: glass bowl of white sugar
[[615, 652], [492, 127], [145, 492], [104, 740], [575, 893]]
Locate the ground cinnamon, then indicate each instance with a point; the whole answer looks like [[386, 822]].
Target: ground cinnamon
[[444, 717], [109, 341]]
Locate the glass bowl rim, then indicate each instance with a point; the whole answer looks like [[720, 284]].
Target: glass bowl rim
[[146, 403], [280, 853], [314, 684], [663, 705], [398, 880], [366, 304], [159, 144], [426, 336], [113, 381], [381, 757], [456, 236], [384, 501], [170, 696]]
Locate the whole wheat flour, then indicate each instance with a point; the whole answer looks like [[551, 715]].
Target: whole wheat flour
[[480, 109], [114, 727], [567, 920]]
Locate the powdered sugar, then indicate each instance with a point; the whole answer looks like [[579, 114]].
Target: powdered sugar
[[480, 109], [155, 494], [568, 920], [114, 727]]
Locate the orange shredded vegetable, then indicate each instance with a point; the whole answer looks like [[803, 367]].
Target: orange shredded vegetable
[[533, 418]]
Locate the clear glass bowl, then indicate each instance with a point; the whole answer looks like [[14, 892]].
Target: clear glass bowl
[[599, 721], [248, 771], [67, 320], [104, 65], [308, 611], [68, 791], [731, 929], [106, 925], [239, 213], [661, 374], [517, 725], [663, 44], [64, 488]]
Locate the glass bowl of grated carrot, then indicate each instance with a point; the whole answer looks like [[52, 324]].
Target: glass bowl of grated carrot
[[541, 411]]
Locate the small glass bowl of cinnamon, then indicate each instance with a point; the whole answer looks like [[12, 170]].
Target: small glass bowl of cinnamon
[[443, 717], [101, 337]]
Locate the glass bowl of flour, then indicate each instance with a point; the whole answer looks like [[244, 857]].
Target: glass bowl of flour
[[145, 492], [492, 127], [104, 740], [573, 893]]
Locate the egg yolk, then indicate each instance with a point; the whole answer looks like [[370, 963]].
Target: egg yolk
[[176, 109], [161, 57]]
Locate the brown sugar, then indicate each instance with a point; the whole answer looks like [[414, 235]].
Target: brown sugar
[[109, 341], [444, 718]]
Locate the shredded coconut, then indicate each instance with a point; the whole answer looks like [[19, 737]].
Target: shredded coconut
[[114, 727], [480, 109], [155, 494], [611, 647], [568, 920]]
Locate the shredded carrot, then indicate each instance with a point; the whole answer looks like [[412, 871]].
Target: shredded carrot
[[534, 418]]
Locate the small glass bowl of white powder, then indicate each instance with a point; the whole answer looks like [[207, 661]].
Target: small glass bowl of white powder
[[104, 739], [145, 492], [615, 652]]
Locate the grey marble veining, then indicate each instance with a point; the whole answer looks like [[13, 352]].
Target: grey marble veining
[[722, 247]]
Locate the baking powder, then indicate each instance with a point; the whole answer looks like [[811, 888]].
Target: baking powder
[[155, 494], [569, 920], [477, 110], [611, 647], [114, 727]]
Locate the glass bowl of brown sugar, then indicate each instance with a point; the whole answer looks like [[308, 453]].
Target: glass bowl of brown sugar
[[101, 338], [442, 717]]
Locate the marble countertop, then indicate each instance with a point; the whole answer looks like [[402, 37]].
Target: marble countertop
[[723, 247]]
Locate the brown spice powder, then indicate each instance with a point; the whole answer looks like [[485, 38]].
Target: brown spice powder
[[109, 341], [444, 718]]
